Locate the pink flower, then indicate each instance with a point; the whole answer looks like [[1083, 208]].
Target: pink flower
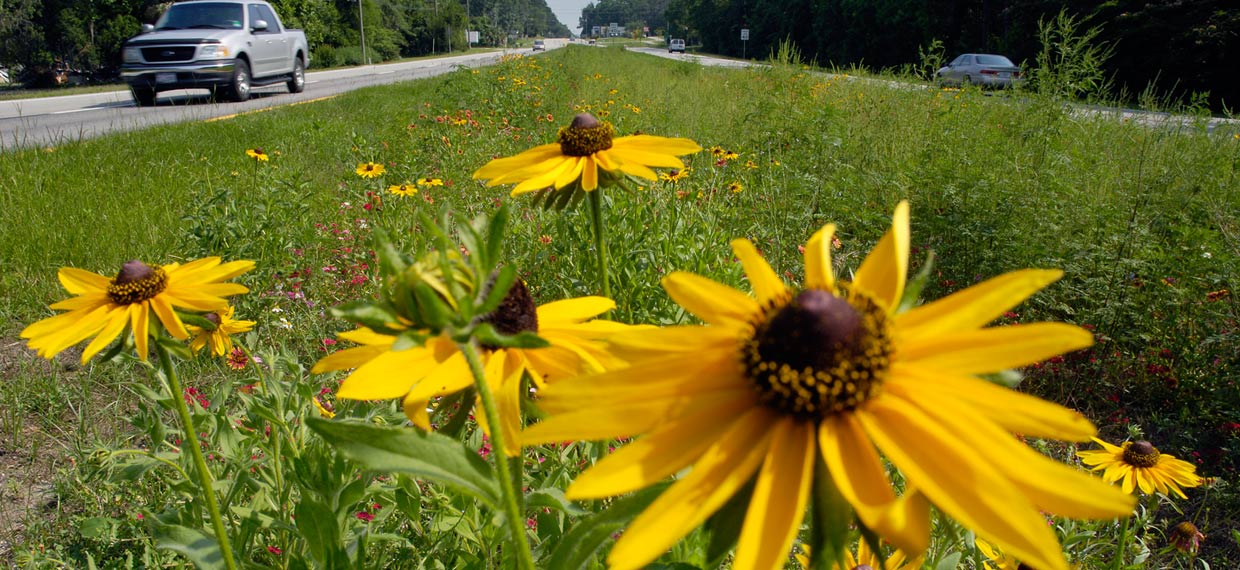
[[363, 515]]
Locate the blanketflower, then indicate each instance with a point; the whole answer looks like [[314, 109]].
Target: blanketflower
[[437, 368], [1139, 465], [833, 369], [220, 339], [1186, 538], [586, 147], [370, 170], [104, 307]]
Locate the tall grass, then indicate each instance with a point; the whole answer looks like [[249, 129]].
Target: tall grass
[[1143, 221]]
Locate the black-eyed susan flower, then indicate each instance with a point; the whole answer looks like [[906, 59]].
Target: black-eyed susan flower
[[1139, 465], [1186, 538], [676, 175], [833, 371], [103, 307], [404, 189], [736, 187], [370, 170], [220, 338], [437, 368], [257, 154], [586, 150], [430, 182]]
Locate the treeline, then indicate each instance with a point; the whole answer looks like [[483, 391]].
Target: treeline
[[41, 39], [1180, 47], [632, 14]]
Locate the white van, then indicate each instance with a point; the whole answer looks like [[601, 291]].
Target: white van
[[676, 46]]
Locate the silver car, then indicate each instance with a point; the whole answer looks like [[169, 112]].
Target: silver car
[[986, 70]]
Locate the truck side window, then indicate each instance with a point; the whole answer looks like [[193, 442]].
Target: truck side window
[[273, 23]]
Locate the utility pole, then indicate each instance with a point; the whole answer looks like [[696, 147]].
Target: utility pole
[[361, 26]]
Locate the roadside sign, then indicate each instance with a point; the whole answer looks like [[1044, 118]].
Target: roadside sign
[[744, 34]]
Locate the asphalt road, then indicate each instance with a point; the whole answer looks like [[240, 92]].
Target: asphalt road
[[50, 121]]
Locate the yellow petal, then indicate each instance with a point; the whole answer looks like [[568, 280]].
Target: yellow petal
[[994, 349], [139, 319], [710, 301], [172, 323], [1050, 485], [766, 284], [950, 473], [570, 175], [79, 281], [1014, 411], [635, 156], [115, 325], [886, 267], [679, 440], [415, 410], [818, 270], [507, 375], [656, 144], [625, 419], [388, 375], [52, 335], [779, 497], [589, 174], [573, 310], [686, 375], [451, 375], [715, 477], [546, 179], [499, 166], [976, 306], [348, 358], [671, 340]]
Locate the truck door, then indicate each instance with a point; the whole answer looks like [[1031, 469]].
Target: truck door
[[268, 48]]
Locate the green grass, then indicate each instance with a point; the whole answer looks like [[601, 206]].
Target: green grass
[[1143, 221]]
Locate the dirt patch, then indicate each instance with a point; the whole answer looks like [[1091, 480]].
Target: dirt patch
[[29, 456]]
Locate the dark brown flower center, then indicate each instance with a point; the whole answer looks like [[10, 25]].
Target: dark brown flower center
[[516, 313], [585, 136], [137, 282], [1141, 454], [816, 353]]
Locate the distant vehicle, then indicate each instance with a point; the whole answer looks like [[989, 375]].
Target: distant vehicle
[[226, 46], [676, 46], [540, 45], [986, 70]]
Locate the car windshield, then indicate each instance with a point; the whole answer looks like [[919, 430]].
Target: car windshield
[[994, 60], [208, 15]]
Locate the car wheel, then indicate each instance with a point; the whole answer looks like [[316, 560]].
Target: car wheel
[[239, 88], [297, 82], [143, 97]]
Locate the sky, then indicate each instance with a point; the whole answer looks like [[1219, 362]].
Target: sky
[[568, 12]]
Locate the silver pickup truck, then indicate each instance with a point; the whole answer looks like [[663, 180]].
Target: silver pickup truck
[[226, 46]]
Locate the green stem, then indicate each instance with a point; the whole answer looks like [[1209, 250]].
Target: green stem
[[525, 560], [152, 456], [191, 441], [1123, 543], [600, 237]]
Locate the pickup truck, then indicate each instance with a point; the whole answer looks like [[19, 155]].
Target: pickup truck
[[227, 46]]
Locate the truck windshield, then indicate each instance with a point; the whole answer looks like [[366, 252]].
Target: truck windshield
[[220, 15]]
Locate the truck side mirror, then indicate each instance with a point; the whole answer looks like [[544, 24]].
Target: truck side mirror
[[147, 28], [259, 26]]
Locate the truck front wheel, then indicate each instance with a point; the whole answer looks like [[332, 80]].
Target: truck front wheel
[[297, 81], [143, 97], [239, 88]]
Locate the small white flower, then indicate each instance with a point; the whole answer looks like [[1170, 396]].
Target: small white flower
[[277, 309], [1206, 255], [284, 324]]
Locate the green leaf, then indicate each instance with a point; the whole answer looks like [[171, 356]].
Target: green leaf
[[428, 455], [96, 527], [553, 498], [433, 310], [914, 287], [494, 246], [196, 545], [369, 314], [391, 261], [488, 336], [948, 562], [725, 525], [831, 516], [577, 547], [317, 524], [500, 286]]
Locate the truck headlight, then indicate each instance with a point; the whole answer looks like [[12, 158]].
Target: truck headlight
[[213, 52], [131, 55]]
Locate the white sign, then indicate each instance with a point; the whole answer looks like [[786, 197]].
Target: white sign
[[473, 36], [745, 34]]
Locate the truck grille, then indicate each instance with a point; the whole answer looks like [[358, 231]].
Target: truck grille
[[168, 53]]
